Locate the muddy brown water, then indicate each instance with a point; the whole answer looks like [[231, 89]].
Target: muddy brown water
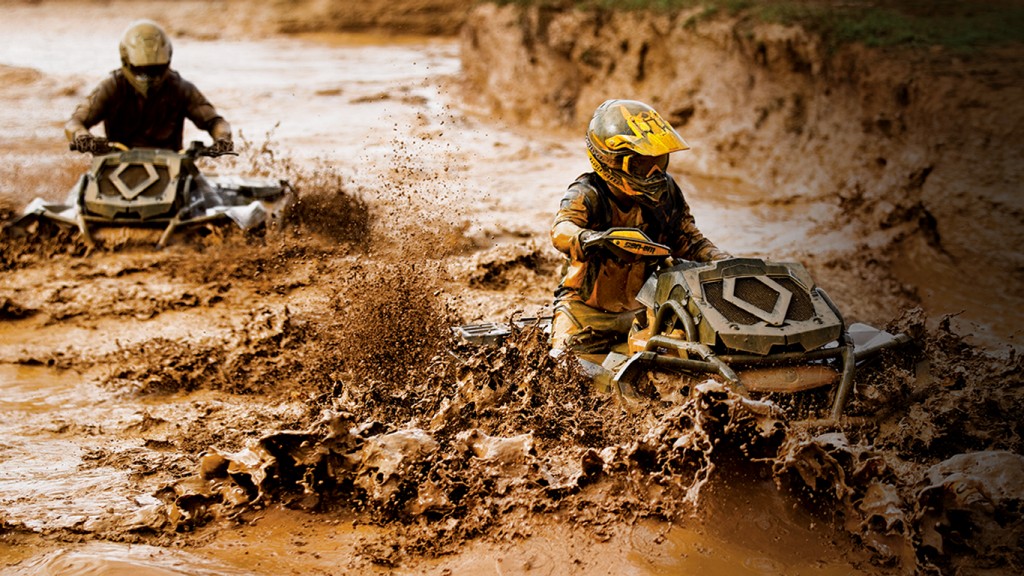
[[76, 457]]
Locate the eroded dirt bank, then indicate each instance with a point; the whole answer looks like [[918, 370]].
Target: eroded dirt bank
[[294, 403]]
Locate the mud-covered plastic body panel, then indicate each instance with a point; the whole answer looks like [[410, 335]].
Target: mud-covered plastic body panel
[[748, 305], [139, 185]]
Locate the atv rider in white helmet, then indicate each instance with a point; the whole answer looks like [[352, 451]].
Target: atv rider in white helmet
[[144, 103], [628, 144]]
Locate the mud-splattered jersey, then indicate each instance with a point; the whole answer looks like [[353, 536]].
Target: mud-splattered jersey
[[602, 281], [156, 121]]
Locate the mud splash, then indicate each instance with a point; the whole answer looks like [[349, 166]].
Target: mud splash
[[462, 457], [507, 432], [518, 432]]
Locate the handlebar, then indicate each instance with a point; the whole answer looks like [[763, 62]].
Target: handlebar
[[195, 149], [108, 145]]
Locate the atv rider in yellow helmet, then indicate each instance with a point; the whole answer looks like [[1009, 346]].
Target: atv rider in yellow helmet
[[144, 103], [628, 144]]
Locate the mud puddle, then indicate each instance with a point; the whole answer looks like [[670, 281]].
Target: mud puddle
[[48, 419], [99, 558], [76, 456], [284, 542]]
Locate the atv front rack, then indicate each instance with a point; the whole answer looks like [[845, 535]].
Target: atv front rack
[[857, 344]]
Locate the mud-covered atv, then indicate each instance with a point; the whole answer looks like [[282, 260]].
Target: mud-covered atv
[[149, 187], [763, 327]]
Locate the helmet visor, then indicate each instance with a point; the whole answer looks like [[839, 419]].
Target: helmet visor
[[149, 73], [640, 166]]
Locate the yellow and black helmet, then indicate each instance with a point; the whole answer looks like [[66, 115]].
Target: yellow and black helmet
[[145, 54], [628, 144]]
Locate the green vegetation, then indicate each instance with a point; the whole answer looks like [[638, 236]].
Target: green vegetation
[[959, 25]]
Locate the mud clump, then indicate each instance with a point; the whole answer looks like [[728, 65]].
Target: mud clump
[[957, 399], [519, 388], [968, 512], [11, 310], [941, 425], [23, 243]]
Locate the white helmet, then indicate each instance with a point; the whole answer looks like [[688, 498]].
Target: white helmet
[[145, 55]]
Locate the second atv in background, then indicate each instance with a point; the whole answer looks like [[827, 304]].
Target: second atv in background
[[163, 189]]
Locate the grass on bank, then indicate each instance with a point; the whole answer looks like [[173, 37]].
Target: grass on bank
[[958, 25]]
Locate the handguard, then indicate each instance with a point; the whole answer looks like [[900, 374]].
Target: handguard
[[625, 244]]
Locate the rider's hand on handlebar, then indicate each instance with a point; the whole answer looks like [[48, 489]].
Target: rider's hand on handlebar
[[220, 147], [720, 255], [592, 242], [624, 245], [92, 144]]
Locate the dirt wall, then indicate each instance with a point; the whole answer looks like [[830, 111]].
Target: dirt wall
[[913, 148]]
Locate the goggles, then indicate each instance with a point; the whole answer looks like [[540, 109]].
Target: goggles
[[149, 72], [639, 166]]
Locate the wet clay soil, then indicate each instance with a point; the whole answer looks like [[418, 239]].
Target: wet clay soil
[[293, 402]]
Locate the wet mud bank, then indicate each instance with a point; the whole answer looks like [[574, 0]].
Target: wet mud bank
[[912, 150]]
